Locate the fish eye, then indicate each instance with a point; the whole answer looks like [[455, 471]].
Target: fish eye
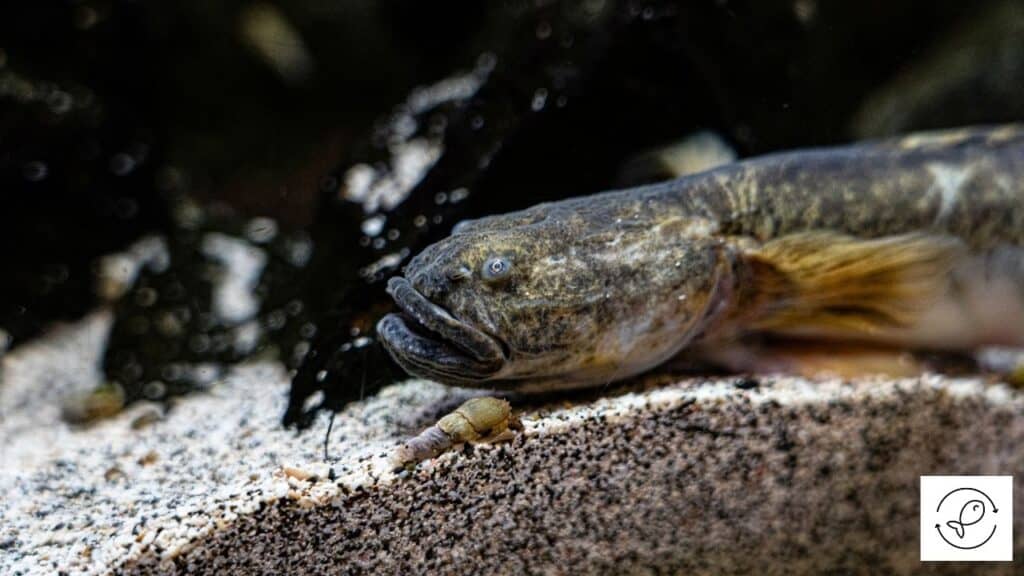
[[496, 269]]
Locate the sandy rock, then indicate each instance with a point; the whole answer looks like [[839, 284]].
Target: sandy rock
[[702, 475]]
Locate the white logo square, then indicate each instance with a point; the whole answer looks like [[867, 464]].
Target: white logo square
[[966, 518]]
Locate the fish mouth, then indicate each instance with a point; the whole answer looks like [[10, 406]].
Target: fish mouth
[[426, 340]]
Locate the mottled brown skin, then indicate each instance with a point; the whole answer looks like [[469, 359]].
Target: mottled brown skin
[[599, 288]]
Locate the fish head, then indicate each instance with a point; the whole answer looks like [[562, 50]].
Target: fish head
[[565, 299], [972, 512]]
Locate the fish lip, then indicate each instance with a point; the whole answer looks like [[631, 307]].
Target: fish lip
[[431, 358], [428, 338], [440, 321]]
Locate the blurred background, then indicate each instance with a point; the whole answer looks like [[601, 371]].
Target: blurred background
[[235, 179]]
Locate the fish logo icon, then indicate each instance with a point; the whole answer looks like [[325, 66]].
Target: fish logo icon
[[970, 529], [966, 518], [972, 513]]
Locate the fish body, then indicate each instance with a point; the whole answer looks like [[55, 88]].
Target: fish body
[[971, 513], [916, 241]]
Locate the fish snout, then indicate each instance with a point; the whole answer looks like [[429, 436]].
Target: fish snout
[[431, 285], [436, 277]]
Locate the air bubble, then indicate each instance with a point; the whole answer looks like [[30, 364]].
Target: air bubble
[[544, 30], [373, 226], [276, 320], [308, 330], [172, 372], [35, 171], [261, 230], [154, 390], [122, 164], [85, 17], [146, 297], [59, 102], [486, 62], [540, 98]]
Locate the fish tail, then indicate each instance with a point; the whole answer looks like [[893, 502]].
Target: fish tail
[[957, 527]]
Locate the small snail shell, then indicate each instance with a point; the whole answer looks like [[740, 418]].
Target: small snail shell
[[483, 419]]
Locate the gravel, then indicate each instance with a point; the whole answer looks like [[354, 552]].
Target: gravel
[[723, 475]]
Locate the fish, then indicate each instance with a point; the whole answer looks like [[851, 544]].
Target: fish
[[971, 513], [915, 242]]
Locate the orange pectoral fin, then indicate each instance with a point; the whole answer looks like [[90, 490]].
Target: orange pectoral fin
[[837, 284]]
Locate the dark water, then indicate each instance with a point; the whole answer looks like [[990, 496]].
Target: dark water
[[255, 138]]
